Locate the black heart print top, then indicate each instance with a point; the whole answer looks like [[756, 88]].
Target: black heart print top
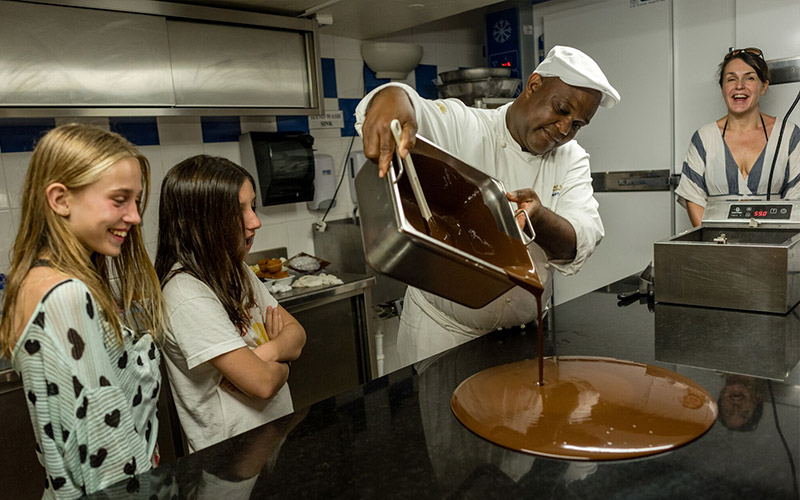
[[92, 400]]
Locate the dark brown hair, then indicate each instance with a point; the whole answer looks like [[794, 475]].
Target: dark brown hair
[[200, 227], [753, 60]]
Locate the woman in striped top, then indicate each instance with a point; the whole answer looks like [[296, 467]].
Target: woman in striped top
[[83, 346], [731, 157]]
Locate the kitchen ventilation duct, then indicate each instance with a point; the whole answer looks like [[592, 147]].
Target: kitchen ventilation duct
[[163, 59]]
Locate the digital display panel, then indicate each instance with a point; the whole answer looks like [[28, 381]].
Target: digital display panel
[[759, 211]]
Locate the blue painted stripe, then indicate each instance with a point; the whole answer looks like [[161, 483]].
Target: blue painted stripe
[[794, 141], [694, 177], [424, 75], [731, 171], [140, 130], [754, 177], [329, 78], [348, 107], [221, 128], [698, 145], [21, 134], [789, 185], [292, 124]]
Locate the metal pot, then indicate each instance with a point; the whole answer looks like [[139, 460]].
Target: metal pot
[[469, 74], [490, 87], [395, 240]]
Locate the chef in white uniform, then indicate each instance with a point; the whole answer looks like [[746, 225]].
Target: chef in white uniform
[[528, 145]]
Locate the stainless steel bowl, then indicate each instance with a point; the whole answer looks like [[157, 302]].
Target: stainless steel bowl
[[490, 87], [469, 74]]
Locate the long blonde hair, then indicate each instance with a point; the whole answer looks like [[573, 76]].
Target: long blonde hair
[[76, 156]]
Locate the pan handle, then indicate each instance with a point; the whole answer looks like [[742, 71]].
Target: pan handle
[[527, 231], [400, 169], [416, 188]]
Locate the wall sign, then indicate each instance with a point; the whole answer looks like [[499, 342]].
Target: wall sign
[[639, 3], [334, 119]]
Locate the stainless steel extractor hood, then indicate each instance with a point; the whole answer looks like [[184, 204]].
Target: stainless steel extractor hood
[[83, 58], [786, 70]]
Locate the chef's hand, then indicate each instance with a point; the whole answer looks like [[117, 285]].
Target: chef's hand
[[376, 133], [528, 200], [554, 234]]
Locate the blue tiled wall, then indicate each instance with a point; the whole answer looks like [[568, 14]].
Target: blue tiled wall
[[140, 130], [220, 128], [21, 134], [329, 78], [292, 123]]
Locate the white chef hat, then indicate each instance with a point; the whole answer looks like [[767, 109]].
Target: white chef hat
[[575, 68]]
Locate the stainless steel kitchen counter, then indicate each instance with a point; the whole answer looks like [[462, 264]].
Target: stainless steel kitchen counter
[[299, 299], [339, 337]]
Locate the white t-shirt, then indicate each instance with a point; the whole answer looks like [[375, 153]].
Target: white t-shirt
[[200, 330], [561, 178]]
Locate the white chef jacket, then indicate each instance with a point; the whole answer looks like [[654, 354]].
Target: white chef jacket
[[561, 178]]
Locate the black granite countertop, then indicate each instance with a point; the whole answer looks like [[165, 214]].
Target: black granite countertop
[[395, 437]]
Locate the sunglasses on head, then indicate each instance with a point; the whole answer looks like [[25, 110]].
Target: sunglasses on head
[[750, 50]]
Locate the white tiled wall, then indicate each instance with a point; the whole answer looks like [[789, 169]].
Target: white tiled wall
[[287, 226]]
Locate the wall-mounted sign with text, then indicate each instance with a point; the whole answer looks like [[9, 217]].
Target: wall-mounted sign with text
[[638, 3], [334, 119]]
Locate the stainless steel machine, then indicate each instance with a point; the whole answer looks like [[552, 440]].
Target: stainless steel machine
[[745, 255], [755, 344]]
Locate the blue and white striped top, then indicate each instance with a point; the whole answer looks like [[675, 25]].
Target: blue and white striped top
[[709, 169]]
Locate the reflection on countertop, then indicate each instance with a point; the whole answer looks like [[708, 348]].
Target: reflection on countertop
[[396, 437]]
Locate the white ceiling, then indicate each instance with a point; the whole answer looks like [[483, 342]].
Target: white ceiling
[[362, 19]]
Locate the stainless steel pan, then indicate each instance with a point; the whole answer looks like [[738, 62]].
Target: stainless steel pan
[[395, 240]]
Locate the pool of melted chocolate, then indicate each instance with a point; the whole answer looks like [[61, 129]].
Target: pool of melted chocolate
[[575, 408], [588, 408], [578, 408]]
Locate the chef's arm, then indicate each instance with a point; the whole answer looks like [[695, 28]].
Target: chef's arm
[[554, 234], [378, 141]]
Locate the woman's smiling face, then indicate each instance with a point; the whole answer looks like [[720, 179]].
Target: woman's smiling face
[[741, 86], [102, 213]]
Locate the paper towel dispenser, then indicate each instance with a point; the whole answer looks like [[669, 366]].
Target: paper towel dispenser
[[324, 183], [355, 161], [282, 164]]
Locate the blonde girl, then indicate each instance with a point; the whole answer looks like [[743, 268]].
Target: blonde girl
[[82, 309]]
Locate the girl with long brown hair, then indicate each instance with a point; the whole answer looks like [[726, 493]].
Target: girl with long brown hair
[[229, 343]]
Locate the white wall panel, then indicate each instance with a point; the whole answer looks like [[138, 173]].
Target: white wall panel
[[774, 27], [631, 230], [702, 33], [633, 47]]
